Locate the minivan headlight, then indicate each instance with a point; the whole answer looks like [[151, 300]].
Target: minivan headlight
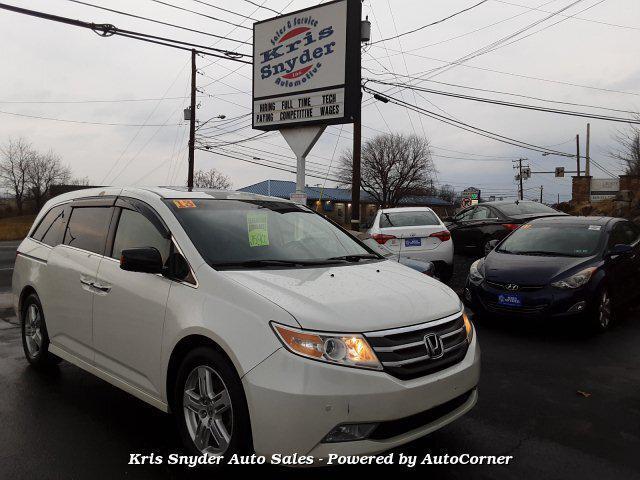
[[351, 350], [476, 272], [575, 281], [468, 326]]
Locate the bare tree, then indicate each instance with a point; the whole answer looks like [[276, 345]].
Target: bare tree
[[628, 151], [447, 193], [16, 156], [211, 179], [393, 167], [43, 171]]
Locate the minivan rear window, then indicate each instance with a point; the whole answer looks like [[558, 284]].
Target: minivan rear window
[[88, 227], [51, 228], [408, 219]]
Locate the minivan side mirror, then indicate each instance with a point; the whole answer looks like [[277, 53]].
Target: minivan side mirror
[[619, 249], [178, 267], [144, 260]]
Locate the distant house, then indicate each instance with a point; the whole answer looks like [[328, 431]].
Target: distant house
[[335, 203]]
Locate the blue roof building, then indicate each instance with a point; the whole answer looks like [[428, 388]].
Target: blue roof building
[[336, 202]]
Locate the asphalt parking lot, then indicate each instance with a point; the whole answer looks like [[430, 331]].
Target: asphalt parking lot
[[564, 403]]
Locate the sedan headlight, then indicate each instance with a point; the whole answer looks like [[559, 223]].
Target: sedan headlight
[[575, 281], [341, 349], [476, 272]]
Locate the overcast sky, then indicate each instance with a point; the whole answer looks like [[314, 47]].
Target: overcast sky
[[44, 63]]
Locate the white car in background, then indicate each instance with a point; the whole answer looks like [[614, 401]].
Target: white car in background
[[416, 233]]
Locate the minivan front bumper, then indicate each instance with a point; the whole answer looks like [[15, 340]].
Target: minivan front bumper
[[295, 402]]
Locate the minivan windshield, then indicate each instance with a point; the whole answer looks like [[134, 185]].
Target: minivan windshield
[[554, 240], [233, 233]]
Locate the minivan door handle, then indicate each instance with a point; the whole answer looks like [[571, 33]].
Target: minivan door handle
[[102, 288], [86, 283]]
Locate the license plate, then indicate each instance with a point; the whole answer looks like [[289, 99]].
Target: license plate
[[510, 300], [412, 242]]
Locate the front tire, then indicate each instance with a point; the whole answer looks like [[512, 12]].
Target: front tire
[[211, 409], [35, 339]]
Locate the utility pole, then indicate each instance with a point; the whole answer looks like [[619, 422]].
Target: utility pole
[[357, 139], [587, 164], [541, 189], [578, 154], [520, 177], [192, 122]]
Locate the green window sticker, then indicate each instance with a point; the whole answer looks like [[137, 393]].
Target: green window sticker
[[258, 229]]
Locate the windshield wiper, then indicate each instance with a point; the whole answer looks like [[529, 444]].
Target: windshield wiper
[[356, 258], [544, 253], [268, 263]]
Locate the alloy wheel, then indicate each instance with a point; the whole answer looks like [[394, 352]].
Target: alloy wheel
[[33, 330], [208, 411], [604, 310]]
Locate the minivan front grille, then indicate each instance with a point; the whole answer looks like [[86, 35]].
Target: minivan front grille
[[404, 354]]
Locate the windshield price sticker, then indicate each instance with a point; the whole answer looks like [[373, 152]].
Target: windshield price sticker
[[595, 227], [258, 229], [184, 203]]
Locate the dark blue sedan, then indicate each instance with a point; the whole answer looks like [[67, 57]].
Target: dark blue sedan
[[560, 267]]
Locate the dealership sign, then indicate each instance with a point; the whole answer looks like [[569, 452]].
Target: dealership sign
[[604, 188], [306, 68]]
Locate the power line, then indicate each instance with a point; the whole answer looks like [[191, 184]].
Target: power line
[[120, 100], [225, 10], [159, 22], [200, 14], [84, 122], [465, 126], [108, 30], [520, 75], [508, 93], [510, 104], [262, 6], [430, 24], [538, 9]]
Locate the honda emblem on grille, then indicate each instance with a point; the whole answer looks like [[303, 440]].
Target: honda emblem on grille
[[433, 342], [512, 287]]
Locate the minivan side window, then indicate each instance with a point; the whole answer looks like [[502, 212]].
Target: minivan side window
[[51, 228], [88, 228], [135, 231]]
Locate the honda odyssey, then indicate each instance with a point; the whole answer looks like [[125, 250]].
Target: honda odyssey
[[260, 325]]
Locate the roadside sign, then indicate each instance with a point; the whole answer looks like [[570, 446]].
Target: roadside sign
[[306, 67], [466, 202], [299, 198], [604, 188], [559, 172]]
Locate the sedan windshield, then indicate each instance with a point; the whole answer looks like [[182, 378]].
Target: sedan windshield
[[254, 234], [554, 240]]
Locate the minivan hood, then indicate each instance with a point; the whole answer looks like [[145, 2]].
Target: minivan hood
[[528, 269], [353, 298]]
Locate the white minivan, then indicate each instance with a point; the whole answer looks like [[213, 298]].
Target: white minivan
[[259, 324]]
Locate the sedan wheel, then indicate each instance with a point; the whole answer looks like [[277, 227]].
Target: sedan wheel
[[605, 312]]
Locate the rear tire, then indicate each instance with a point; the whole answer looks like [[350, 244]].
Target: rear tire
[[210, 406], [35, 339]]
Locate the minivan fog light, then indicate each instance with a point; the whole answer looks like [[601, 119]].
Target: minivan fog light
[[343, 349], [350, 432]]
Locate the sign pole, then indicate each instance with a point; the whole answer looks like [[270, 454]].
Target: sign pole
[[192, 122]]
